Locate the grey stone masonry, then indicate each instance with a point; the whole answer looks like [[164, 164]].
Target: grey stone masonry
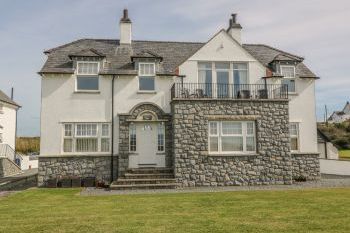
[[194, 166], [8, 168], [307, 166], [98, 167]]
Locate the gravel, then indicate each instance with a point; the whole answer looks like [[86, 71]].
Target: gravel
[[326, 182]]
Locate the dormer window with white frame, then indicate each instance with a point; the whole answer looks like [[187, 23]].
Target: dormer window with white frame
[[147, 73], [87, 76], [288, 73]]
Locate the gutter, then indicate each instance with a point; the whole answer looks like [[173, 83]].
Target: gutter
[[112, 136]]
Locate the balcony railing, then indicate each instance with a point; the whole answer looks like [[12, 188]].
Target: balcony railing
[[228, 91]]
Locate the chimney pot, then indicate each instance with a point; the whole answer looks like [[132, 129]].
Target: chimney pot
[[234, 16]]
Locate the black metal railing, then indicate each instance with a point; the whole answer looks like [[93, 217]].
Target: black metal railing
[[228, 91]]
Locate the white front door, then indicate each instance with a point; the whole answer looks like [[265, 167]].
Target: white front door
[[146, 135]]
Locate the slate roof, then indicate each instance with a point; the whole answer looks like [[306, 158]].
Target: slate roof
[[4, 98], [172, 53]]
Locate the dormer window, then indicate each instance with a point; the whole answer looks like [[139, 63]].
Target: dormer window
[[288, 73], [147, 73], [87, 76]]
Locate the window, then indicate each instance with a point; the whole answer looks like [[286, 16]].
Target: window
[[146, 76], [289, 77], [132, 137], [86, 137], [294, 136], [222, 77], [161, 137], [105, 138], [87, 76], [205, 77], [232, 137]]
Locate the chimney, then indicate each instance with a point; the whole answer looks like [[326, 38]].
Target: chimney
[[235, 29], [12, 93], [125, 28]]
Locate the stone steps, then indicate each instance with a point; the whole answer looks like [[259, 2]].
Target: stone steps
[[142, 186], [146, 178], [143, 181]]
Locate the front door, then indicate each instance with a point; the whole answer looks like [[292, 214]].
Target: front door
[[146, 134]]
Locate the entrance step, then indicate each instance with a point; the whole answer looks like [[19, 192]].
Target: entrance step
[[149, 170], [144, 181], [149, 176], [146, 178], [142, 186]]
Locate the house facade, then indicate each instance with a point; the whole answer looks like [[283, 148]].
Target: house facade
[[340, 116], [214, 113]]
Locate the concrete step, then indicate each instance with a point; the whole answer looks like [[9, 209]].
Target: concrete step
[[149, 170], [143, 186], [149, 176], [143, 181]]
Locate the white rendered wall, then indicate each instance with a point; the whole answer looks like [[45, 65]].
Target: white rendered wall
[[8, 122]]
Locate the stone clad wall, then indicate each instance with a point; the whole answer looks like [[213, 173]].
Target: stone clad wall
[[194, 167], [77, 166], [8, 168], [306, 165]]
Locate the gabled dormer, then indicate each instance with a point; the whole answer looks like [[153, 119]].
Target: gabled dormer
[[87, 64]]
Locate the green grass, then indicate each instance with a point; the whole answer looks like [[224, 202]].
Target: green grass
[[344, 154], [64, 210]]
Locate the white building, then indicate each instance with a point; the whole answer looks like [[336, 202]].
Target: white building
[[340, 116], [114, 102], [8, 120]]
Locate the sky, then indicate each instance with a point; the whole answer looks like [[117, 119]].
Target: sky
[[317, 30]]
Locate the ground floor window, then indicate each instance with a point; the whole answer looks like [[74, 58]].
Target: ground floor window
[[294, 136], [86, 137], [161, 137], [232, 137], [132, 137]]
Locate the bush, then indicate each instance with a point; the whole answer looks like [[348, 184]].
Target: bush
[[343, 143], [27, 145]]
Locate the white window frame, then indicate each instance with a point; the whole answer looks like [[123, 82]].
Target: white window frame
[[244, 134], [153, 76], [74, 137], [288, 77], [87, 75], [162, 125], [297, 136]]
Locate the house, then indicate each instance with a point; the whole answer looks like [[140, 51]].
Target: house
[[325, 147], [8, 125], [340, 116], [202, 114]]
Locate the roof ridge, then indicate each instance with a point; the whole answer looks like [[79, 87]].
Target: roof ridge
[[276, 49]]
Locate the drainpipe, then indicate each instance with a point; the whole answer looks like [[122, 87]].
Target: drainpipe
[[112, 132]]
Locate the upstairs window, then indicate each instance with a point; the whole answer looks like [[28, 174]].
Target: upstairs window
[[87, 76], [289, 77], [147, 73]]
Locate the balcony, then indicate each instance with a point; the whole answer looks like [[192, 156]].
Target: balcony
[[228, 91]]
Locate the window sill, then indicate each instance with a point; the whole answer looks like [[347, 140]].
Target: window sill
[[87, 92], [292, 93], [146, 92], [160, 153], [232, 155]]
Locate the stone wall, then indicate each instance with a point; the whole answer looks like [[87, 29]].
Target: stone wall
[[8, 168], [195, 167], [307, 166], [77, 166]]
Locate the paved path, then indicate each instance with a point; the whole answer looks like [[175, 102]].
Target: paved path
[[327, 182]]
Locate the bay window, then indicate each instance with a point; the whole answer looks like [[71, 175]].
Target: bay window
[[86, 137], [232, 137], [87, 76], [288, 73], [294, 136], [147, 73]]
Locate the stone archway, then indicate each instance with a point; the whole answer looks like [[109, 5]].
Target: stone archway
[[141, 113]]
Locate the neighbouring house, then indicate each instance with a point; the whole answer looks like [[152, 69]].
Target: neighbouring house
[[9, 162], [325, 147], [138, 113], [340, 116]]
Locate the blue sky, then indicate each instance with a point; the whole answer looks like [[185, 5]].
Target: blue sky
[[315, 29]]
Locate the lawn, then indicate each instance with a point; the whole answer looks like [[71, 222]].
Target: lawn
[[64, 210], [344, 154]]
